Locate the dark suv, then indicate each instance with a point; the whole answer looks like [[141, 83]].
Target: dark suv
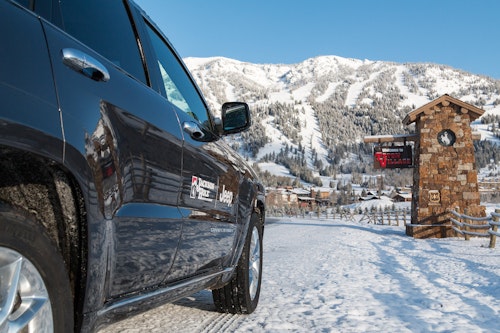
[[117, 192]]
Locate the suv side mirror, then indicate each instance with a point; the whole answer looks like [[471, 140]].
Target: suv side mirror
[[235, 117]]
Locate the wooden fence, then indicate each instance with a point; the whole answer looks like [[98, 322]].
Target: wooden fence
[[389, 217], [470, 226], [345, 214], [384, 217]]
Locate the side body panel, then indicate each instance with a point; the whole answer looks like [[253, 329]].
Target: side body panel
[[130, 140], [30, 118], [210, 174], [209, 204]]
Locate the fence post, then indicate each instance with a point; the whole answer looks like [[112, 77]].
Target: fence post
[[493, 238], [457, 210], [465, 220]]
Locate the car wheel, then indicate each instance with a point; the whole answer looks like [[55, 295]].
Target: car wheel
[[241, 294], [35, 294]]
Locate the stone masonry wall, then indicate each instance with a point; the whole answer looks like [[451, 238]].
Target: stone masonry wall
[[445, 176]]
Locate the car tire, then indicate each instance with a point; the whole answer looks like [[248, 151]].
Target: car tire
[[241, 294], [35, 293]]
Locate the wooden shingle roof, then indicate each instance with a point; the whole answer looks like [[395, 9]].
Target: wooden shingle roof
[[445, 100]]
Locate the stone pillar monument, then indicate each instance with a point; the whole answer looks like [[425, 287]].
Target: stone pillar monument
[[445, 175]]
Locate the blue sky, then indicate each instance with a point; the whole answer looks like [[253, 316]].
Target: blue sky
[[459, 33]]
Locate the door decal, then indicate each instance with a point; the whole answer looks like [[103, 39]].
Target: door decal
[[205, 190], [202, 189], [226, 197]]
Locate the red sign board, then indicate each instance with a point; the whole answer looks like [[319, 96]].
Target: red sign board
[[393, 157]]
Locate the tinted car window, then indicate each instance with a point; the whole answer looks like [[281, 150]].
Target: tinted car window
[[25, 3], [48, 9], [179, 89], [105, 27]]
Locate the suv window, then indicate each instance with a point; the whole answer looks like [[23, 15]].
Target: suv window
[[48, 9], [179, 89], [105, 27]]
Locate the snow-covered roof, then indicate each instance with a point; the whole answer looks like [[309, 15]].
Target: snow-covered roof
[[403, 195], [368, 197], [300, 191]]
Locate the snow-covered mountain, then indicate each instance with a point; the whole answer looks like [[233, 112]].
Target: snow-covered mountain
[[303, 113]]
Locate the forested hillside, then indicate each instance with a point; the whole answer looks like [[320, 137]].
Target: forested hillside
[[311, 117]]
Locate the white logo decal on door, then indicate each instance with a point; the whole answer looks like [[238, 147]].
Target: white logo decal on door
[[200, 189], [226, 196]]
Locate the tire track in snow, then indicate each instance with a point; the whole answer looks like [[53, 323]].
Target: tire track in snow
[[223, 323]]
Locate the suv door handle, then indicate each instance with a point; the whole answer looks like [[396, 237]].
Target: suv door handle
[[193, 130], [85, 64]]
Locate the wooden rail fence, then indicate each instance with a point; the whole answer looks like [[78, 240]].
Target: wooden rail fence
[[470, 226], [463, 224], [384, 217], [389, 217], [343, 214]]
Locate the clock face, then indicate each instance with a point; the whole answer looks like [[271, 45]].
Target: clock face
[[446, 138]]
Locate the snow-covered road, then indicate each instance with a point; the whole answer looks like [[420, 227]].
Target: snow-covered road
[[338, 276]]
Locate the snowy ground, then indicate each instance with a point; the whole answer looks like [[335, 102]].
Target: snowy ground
[[345, 276]]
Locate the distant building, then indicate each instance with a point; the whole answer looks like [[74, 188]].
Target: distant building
[[402, 197], [306, 202], [368, 197], [282, 197], [321, 197]]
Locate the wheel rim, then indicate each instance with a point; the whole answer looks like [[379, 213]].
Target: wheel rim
[[24, 299], [254, 263]]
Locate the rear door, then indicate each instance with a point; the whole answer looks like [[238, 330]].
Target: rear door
[[210, 177], [129, 138]]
